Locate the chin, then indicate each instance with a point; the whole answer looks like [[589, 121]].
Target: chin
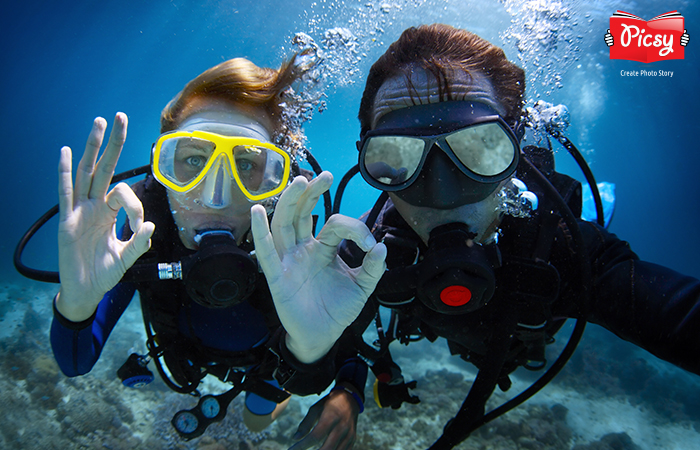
[[478, 216], [187, 240]]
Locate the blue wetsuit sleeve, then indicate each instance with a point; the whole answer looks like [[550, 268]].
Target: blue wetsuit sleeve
[[652, 306], [77, 346], [354, 372]]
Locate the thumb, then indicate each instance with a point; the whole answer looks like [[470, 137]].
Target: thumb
[[373, 267], [139, 244], [310, 420]]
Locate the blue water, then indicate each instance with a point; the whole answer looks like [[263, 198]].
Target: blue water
[[63, 63]]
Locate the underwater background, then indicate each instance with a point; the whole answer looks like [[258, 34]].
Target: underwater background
[[64, 63]]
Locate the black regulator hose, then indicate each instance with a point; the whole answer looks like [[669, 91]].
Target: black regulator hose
[[576, 154], [53, 277], [580, 326], [548, 376], [327, 203], [45, 275], [354, 170]]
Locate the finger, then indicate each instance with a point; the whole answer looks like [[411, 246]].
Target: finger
[[122, 196], [307, 424], [310, 420], [65, 184], [373, 267], [345, 441], [337, 439], [312, 440], [283, 232], [264, 244], [350, 442], [341, 227], [306, 443], [86, 167], [108, 161], [307, 203]]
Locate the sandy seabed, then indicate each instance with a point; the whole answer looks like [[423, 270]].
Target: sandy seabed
[[610, 396]]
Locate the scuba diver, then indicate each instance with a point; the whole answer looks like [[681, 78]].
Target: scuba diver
[[485, 244], [225, 155]]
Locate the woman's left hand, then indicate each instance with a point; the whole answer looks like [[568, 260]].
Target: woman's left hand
[[316, 294], [330, 424]]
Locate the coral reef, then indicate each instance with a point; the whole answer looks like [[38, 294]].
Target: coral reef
[[607, 366], [46, 410], [613, 441], [544, 428]]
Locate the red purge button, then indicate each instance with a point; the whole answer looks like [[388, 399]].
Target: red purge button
[[455, 295], [384, 377]]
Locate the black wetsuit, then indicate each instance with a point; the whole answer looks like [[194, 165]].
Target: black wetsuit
[[651, 306]]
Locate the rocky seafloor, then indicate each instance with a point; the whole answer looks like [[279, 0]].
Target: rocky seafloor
[[610, 396]]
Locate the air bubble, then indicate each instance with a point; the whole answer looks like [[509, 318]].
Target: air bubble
[[542, 28]]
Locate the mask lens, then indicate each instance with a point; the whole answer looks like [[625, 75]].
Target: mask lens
[[486, 149], [260, 170], [391, 160], [182, 159]]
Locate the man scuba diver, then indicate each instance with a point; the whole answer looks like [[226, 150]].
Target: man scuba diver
[[485, 245]]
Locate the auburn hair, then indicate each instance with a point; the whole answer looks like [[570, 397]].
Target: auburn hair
[[441, 49], [237, 80]]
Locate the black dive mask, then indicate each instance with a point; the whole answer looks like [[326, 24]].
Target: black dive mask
[[455, 276], [218, 275], [441, 155]]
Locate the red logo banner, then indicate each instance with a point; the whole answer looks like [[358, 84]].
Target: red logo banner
[[659, 39]]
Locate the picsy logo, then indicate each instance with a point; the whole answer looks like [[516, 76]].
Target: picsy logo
[[661, 38]]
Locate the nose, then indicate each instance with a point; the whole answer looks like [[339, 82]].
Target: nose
[[439, 176], [442, 185], [217, 184]]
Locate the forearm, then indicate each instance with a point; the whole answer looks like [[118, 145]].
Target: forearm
[[649, 305], [77, 345], [659, 310], [73, 344]]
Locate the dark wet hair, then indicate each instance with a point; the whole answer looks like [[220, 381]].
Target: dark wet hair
[[441, 49]]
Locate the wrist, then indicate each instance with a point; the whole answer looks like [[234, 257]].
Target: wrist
[[305, 354], [73, 310], [70, 324], [353, 392]]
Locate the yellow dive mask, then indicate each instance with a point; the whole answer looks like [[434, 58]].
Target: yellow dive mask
[[181, 160]]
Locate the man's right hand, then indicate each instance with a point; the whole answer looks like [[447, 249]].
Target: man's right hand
[[91, 259]]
